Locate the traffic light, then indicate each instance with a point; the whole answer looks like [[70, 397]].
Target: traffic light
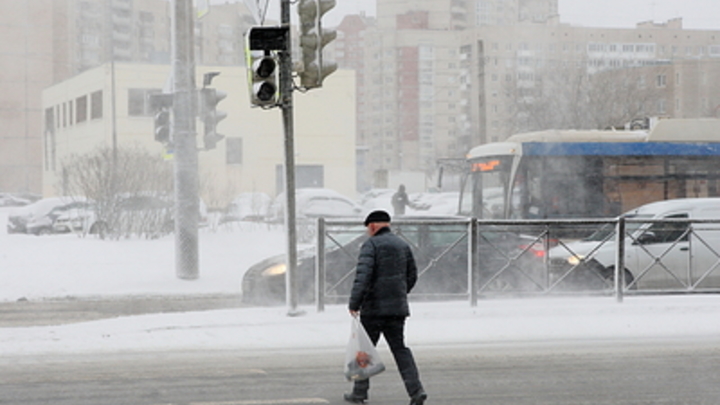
[[161, 104], [313, 39], [211, 116], [261, 47], [263, 78]]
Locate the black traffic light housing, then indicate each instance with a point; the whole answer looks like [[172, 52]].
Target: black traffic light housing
[[161, 106], [264, 70], [261, 47], [211, 116]]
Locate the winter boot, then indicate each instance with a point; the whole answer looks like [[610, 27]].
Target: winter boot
[[419, 398], [355, 398]]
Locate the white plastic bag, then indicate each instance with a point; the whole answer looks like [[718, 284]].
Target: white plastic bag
[[361, 357]]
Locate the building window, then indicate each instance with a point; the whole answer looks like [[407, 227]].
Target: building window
[[146, 17], [81, 109], [96, 105], [138, 104], [661, 80], [233, 151], [661, 106]]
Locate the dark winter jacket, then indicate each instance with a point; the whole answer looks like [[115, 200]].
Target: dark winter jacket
[[386, 272], [399, 201]]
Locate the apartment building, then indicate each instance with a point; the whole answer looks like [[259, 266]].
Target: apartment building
[[27, 68], [442, 76], [532, 65], [48, 41]]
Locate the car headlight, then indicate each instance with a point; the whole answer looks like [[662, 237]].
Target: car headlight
[[275, 270], [575, 260]]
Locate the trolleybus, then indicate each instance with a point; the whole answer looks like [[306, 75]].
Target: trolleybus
[[585, 174]]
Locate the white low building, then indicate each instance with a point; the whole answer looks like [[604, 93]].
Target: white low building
[[80, 116]]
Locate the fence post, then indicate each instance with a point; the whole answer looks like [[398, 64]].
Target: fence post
[[320, 266], [546, 257], [473, 268], [620, 259]]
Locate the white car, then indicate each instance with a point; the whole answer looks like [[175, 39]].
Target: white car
[[38, 218], [658, 255], [313, 203], [251, 206], [142, 214]]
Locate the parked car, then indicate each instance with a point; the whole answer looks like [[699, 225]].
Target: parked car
[[138, 214], [252, 206], [441, 256], [658, 255], [311, 203], [38, 218], [436, 204], [377, 199]]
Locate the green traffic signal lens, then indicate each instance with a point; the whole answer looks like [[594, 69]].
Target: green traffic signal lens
[[266, 67], [265, 91]]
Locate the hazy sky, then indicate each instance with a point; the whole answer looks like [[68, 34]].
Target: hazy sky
[[697, 14]]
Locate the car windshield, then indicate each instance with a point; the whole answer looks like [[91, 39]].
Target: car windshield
[[607, 230]]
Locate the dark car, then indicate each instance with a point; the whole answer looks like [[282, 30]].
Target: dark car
[[506, 263]]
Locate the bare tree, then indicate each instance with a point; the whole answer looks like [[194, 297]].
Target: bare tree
[[616, 97], [130, 189], [565, 96]]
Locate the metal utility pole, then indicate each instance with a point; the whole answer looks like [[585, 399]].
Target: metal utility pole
[[286, 104], [183, 140]]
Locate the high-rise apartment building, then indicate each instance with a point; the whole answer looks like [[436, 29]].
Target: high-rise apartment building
[[524, 68], [440, 77], [48, 41], [511, 12], [467, 14], [27, 68]]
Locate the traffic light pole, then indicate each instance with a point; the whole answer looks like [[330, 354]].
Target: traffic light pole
[[184, 143], [286, 105]]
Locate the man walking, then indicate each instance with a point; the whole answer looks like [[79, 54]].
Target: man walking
[[386, 272]]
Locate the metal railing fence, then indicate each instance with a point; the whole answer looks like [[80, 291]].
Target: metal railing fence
[[471, 258]]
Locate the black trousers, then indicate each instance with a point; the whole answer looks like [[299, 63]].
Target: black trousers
[[393, 329]]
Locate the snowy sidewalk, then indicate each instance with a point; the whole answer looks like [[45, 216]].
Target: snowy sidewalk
[[432, 324]]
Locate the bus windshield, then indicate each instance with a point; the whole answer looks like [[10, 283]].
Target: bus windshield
[[485, 188]]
